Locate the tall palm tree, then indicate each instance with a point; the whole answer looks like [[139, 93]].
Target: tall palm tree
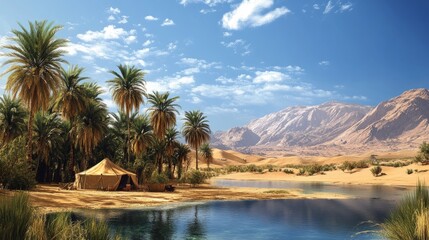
[[128, 87], [207, 153], [12, 119], [47, 138], [182, 152], [163, 112], [34, 73], [119, 129], [170, 145], [142, 134], [196, 130], [71, 101], [92, 123]]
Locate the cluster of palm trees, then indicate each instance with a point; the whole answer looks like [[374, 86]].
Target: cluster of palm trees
[[68, 125]]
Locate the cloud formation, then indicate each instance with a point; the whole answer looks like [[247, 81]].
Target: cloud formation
[[250, 13], [167, 22], [150, 18]]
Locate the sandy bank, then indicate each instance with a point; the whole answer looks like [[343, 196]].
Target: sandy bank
[[393, 176], [49, 198]]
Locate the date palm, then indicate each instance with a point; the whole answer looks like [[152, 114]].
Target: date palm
[[34, 57], [142, 134], [207, 153], [71, 101], [163, 112], [92, 123], [182, 152], [12, 119], [196, 131], [119, 129], [128, 88], [170, 146]]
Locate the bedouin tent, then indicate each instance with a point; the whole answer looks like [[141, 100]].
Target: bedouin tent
[[105, 176]]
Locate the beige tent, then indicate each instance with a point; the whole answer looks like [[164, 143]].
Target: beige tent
[[105, 176]]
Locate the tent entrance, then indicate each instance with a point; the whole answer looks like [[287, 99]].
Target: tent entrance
[[125, 179]]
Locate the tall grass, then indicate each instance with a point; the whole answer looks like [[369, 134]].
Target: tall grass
[[15, 216], [410, 220], [18, 220]]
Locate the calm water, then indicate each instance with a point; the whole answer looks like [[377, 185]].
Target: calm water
[[359, 191], [261, 219], [267, 219]]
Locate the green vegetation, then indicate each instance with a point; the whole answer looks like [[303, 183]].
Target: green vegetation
[[195, 177], [423, 155], [207, 153], [288, 171], [410, 171], [59, 118], [158, 178], [350, 166], [410, 218], [277, 192], [376, 171]]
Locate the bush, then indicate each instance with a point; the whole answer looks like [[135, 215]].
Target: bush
[[15, 216], [376, 171], [362, 164], [423, 155], [195, 177], [288, 171], [158, 178], [410, 218], [349, 166], [410, 171], [301, 172]]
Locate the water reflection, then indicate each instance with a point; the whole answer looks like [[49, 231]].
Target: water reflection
[[268, 219], [361, 191]]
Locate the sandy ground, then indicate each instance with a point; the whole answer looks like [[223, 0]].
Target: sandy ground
[[51, 198], [393, 176]]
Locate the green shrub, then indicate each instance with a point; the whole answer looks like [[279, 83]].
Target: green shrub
[[347, 166], [301, 172], [96, 230], [158, 178], [195, 177], [15, 216], [410, 218], [288, 171], [423, 155], [362, 164], [376, 171], [410, 171]]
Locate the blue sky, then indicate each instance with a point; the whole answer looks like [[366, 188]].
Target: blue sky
[[237, 60]]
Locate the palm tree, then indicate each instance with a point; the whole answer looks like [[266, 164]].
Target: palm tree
[[207, 153], [196, 130], [128, 91], [92, 123], [119, 130], [71, 101], [12, 119], [34, 72], [170, 145], [182, 152], [142, 134], [163, 112], [46, 139]]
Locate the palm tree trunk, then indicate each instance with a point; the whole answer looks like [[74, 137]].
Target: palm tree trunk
[[159, 164], [30, 137], [72, 163], [169, 168], [128, 143], [196, 157], [208, 163]]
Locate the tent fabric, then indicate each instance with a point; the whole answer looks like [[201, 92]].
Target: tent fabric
[[105, 176]]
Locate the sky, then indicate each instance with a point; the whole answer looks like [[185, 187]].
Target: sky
[[238, 60]]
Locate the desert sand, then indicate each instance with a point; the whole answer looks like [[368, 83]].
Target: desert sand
[[51, 198]]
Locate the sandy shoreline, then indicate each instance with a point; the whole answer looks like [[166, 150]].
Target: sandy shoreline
[[393, 176], [51, 198]]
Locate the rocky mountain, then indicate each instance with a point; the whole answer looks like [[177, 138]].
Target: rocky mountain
[[294, 126], [401, 120]]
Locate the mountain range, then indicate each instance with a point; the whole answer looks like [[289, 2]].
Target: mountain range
[[401, 122]]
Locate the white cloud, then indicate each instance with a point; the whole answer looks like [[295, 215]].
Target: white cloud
[[270, 76], [324, 63], [171, 46], [191, 71], [171, 84], [130, 39], [227, 34], [111, 18], [316, 6], [167, 22], [346, 7], [123, 20], [249, 13], [361, 98], [147, 43], [329, 7], [196, 100], [109, 32], [199, 63], [210, 3], [114, 11], [217, 110], [150, 18], [239, 46], [208, 10]]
